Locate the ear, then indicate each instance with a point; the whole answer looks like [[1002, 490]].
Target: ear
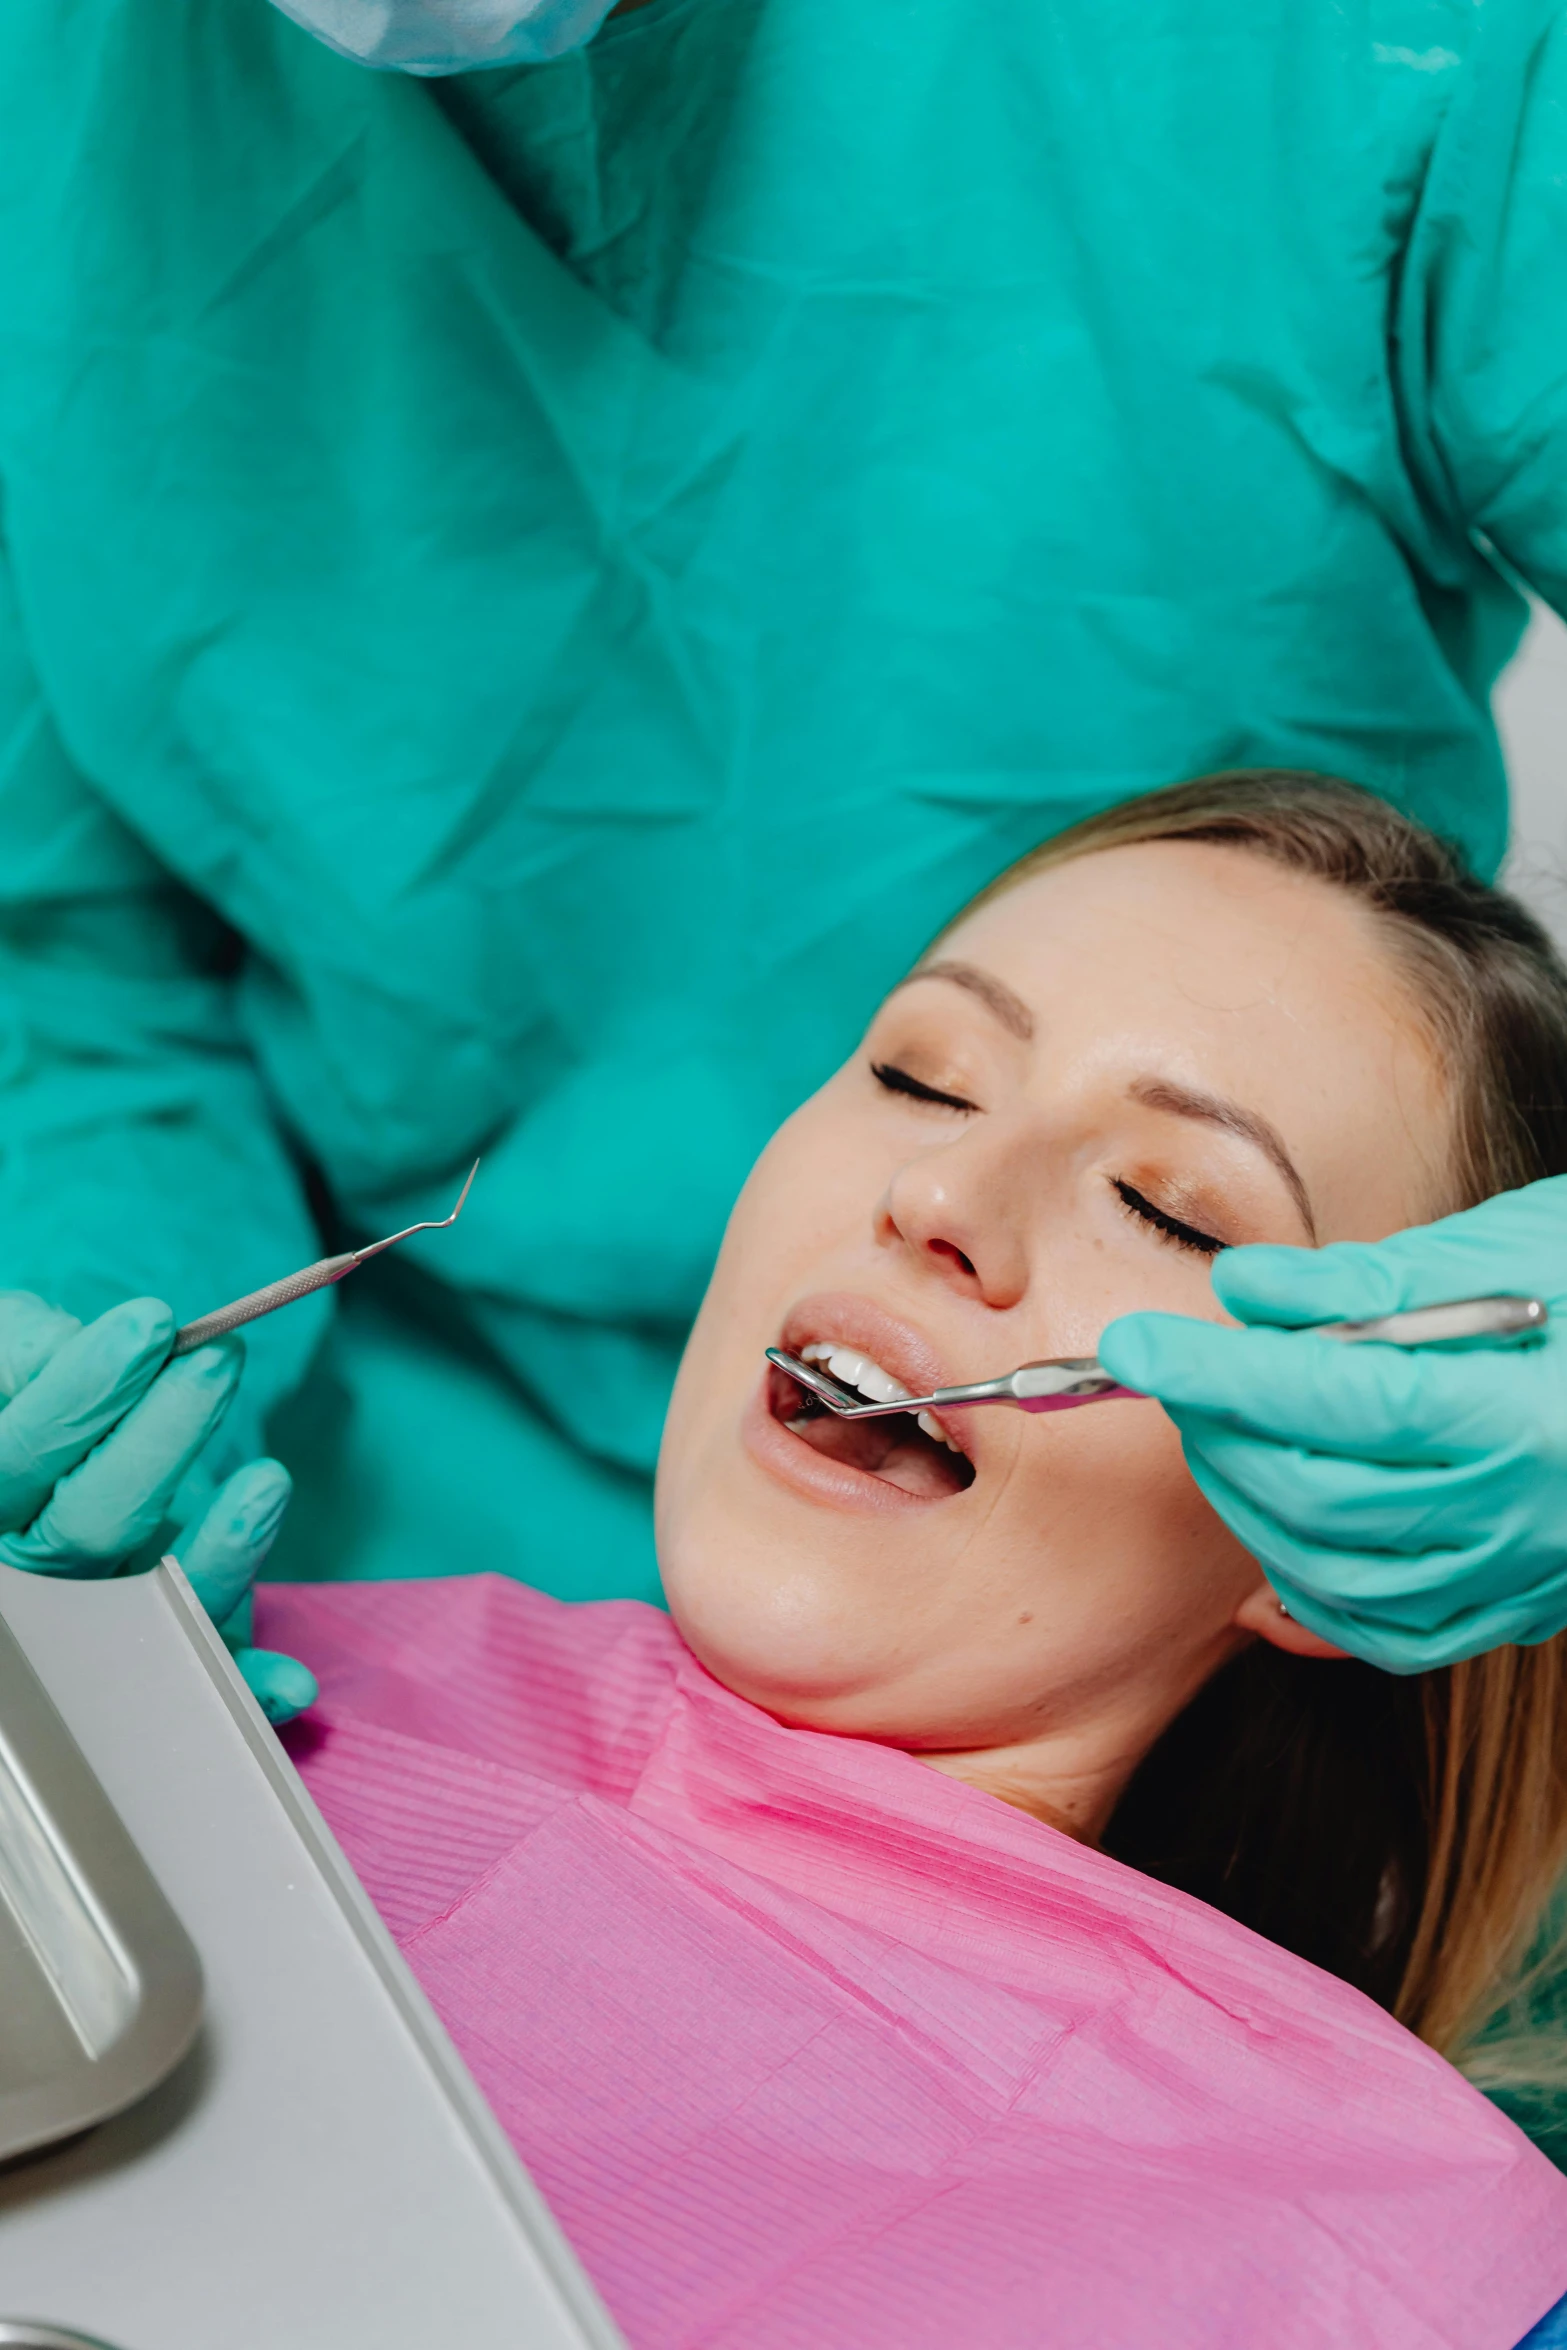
[[1264, 1613]]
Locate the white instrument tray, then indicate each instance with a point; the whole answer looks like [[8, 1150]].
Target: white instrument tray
[[318, 2170], [100, 1987]]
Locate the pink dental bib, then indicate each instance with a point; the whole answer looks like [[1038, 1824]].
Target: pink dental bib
[[812, 2048]]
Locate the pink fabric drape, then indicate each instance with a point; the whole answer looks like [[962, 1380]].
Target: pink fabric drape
[[812, 2048]]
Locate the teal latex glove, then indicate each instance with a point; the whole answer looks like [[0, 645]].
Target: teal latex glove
[[1409, 1506], [97, 1430], [222, 1554]]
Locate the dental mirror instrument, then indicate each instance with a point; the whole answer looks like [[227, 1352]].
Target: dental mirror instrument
[[320, 1275], [1067, 1380]]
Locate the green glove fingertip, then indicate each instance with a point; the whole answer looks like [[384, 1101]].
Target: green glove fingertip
[[228, 1547], [31, 1330], [1140, 1350], [1292, 1287], [280, 1685]]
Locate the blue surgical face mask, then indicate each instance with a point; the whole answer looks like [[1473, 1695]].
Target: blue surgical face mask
[[449, 36]]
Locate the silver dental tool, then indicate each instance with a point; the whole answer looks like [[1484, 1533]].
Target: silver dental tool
[[1058, 1385], [320, 1275]]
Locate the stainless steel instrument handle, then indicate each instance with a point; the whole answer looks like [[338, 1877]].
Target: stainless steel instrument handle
[[320, 1275], [1462, 1321], [1068, 1380], [1459, 1322], [1056, 1387]]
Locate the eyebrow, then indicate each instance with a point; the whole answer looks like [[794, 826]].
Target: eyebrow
[[1182, 1101], [1155, 1093], [998, 999]]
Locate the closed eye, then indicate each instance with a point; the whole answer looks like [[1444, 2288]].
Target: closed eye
[[1169, 1227], [896, 1080]]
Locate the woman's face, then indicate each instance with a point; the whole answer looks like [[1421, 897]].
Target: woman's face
[[1098, 1080]]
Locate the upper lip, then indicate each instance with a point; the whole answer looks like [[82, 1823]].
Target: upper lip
[[870, 1330]]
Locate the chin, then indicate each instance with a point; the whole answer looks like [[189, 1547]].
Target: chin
[[788, 1632]]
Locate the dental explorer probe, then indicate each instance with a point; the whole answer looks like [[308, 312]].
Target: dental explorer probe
[[1057, 1385], [320, 1275]]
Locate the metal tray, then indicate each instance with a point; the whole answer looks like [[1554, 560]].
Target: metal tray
[[322, 2112], [100, 1986], [20, 2333]]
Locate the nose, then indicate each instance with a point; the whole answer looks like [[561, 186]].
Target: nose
[[958, 1213]]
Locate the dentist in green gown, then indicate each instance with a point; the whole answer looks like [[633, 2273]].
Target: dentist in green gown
[[532, 546]]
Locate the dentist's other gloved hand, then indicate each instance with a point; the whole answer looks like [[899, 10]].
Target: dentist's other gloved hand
[[97, 1430], [222, 1554], [449, 36], [1409, 1506]]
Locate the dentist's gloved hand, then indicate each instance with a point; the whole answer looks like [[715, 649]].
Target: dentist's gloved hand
[[1409, 1506], [97, 1429], [222, 1554]]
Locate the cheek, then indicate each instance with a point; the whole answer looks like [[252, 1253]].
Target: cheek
[[1116, 1535]]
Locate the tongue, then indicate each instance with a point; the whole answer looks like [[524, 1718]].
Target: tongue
[[896, 1450]]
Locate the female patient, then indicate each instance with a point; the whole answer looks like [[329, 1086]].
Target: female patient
[[812, 2040]]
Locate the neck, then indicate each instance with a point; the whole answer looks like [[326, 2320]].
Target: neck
[[1079, 1802], [1073, 1776]]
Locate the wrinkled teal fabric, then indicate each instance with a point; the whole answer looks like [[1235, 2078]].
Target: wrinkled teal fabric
[[532, 596]]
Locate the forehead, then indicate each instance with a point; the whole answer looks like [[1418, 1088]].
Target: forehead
[[1213, 966]]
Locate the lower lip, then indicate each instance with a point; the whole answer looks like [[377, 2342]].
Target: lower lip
[[795, 1464]]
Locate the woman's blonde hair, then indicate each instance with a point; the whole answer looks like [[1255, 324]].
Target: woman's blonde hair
[[1408, 1834]]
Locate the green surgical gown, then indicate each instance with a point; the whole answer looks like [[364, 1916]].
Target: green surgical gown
[[529, 598]]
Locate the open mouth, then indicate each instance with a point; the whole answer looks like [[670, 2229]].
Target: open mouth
[[910, 1451]]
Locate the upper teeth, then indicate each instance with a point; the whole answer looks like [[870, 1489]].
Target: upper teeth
[[875, 1384]]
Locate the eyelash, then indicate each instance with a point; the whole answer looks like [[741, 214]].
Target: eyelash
[[1169, 1228], [896, 1080]]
